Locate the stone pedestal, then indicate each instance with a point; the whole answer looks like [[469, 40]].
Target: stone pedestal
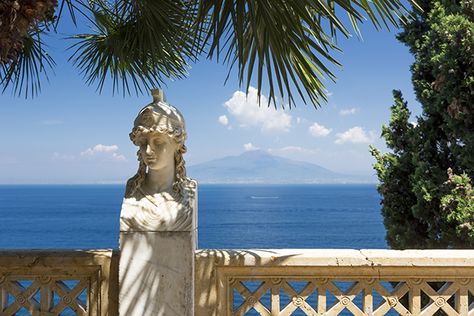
[[156, 273], [156, 268]]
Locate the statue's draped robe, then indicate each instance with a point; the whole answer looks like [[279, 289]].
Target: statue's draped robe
[[160, 212]]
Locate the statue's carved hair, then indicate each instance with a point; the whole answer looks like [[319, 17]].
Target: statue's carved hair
[[180, 179]]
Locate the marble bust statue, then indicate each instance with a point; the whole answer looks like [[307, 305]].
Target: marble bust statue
[[159, 197]]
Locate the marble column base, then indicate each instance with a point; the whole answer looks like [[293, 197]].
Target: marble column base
[[156, 273]]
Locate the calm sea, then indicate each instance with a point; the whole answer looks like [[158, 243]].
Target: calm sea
[[230, 216]]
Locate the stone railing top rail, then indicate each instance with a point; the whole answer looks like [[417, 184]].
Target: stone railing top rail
[[57, 252], [337, 257], [51, 257]]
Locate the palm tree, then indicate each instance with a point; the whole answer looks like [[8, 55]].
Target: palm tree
[[136, 44]]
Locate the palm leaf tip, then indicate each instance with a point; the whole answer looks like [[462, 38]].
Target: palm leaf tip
[[136, 49], [25, 74], [289, 44]]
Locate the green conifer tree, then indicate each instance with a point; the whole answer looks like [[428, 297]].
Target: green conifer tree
[[426, 180]]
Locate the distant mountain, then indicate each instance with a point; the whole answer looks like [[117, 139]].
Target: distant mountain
[[261, 167]]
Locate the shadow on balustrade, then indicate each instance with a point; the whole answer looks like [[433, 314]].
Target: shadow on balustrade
[[209, 260], [55, 282], [109, 288]]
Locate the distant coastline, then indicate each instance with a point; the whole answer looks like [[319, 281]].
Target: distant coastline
[[257, 184], [254, 167], [261, 167]]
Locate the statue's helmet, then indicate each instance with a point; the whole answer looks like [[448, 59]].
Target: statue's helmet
[[159, 116]]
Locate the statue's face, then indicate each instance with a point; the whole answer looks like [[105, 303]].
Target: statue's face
[[157, 150]]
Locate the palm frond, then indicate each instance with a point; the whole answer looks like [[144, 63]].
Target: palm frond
[[137, 44], [25, 74], [288, 43]]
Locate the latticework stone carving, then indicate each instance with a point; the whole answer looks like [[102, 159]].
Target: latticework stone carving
[[48, 295], [362, 296], [58, 283]]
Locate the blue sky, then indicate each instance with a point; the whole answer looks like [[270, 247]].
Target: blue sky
[[72, 134]]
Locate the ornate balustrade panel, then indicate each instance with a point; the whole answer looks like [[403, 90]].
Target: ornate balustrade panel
[[48, 283], [334, 282]]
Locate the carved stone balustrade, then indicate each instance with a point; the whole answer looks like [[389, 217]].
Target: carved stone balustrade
[[334, 282], [252, 282], [50, 283]]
